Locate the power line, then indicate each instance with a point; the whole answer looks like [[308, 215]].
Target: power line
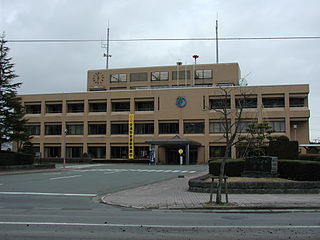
[[162, 39]]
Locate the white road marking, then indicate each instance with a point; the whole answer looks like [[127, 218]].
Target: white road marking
[[117, 170], [108, 172], [73, 176], [1, 184], [51, 194], [167, 226]]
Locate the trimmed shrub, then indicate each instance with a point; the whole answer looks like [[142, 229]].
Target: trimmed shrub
[[12, 158], [310, 157], [299, 170], [284, 149], [233, 168]]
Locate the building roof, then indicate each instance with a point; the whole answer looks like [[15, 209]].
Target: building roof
[[176, 140]]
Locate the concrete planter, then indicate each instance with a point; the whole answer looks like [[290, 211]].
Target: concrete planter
[[199, 185]]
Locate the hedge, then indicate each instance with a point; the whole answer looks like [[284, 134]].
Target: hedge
[[233, 168], [12, 158], [301, 170]]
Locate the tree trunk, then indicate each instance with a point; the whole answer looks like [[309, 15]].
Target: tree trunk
[[221, 174]]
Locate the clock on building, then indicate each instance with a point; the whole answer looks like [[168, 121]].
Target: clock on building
[[98, 78]]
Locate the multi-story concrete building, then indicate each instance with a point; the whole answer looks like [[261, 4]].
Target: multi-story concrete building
[[125, 111]]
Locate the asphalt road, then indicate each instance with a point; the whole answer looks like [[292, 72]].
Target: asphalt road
[[65, 205]]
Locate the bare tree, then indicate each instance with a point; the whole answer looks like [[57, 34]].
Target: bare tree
[[231, 119]]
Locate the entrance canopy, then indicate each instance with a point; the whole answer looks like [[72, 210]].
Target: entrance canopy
[[175, 141]]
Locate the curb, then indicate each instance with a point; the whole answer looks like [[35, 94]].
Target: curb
[[251, 207]]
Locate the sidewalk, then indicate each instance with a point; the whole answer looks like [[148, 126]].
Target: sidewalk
[[173, 194]]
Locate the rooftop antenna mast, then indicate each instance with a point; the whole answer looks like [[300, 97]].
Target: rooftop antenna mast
[[107, 47], [217, 46]]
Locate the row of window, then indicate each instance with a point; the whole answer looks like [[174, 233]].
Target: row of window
[[93, 107], [124, 106], [117, 152], [145, 128], [161, 76], [141, 152], [252, 103]]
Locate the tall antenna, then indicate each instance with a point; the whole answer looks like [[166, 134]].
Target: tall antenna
[[107, 47], [217, 46]]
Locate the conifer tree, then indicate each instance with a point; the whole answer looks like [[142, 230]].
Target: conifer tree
[[12, 124]]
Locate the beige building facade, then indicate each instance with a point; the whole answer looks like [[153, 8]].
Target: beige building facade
[[171, 108]]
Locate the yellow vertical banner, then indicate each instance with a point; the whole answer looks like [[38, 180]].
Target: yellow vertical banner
[[131, 136]]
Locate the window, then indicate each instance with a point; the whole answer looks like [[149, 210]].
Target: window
[[143, 128], [193, 127], [297, 102], [217, 151], [75, 129], [246, 103], [168, 128], [219, 103], [273, 102], [159, 76], [74, 152], [141, 152], [134, 77], [203, 74], [119, 128], [180, 75], [52, 152], [118, 77], [97, 152], [120, 106], [119, 152], [33, 129], [97, 128], [98, 107], [277, 126], [54, 108], [243, 126], [218, 127], [144, 106], [33, 109], [53, 129], [75, 107]]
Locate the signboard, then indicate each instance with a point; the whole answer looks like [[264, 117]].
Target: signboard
[[180, 151]]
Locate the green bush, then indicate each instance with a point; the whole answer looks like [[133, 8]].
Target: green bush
[[284, 149], [12, 158], [310, 157], [299, 170], [233, 167]]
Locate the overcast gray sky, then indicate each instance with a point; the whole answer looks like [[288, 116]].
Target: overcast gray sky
[[62, 67]]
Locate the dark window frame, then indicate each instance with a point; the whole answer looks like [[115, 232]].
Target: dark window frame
[[75, 107], [144, 106], [33, 109], [125, 106], [53, 129], [169, 128], [97, 129], [193, 127], [97, 107], [53, 107]]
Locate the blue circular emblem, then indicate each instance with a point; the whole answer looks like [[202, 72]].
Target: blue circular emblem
[[181, 102]]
